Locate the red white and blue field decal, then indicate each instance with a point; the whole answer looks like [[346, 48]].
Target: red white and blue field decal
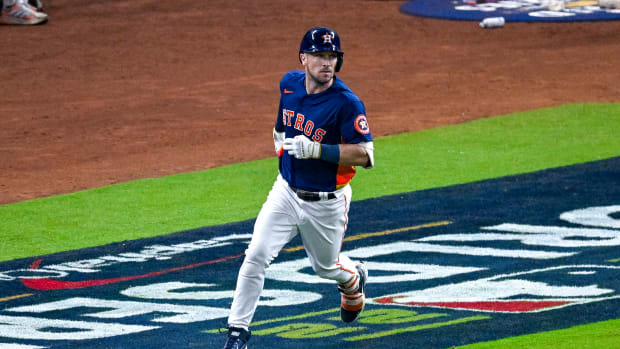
[[513, 10], [448, 267]]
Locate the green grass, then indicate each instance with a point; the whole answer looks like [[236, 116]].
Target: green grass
[[490, 148], [482, 149], [596, 335]]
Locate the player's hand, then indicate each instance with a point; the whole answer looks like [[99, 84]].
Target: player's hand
[[278, 141], [302, 148]]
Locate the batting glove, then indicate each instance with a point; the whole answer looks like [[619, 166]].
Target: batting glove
[[278, 141], [302, 148]]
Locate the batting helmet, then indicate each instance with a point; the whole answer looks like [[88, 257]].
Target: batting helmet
[[322, 39]]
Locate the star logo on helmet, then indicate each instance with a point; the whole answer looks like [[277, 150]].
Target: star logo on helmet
[[327, 38]]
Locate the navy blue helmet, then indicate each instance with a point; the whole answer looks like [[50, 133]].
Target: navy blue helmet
[[322, 39]]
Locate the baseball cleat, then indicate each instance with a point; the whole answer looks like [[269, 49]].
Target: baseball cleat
[[237, 338], [22, 13], [352, 305]]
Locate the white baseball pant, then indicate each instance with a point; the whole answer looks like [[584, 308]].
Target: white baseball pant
[[321, 224]]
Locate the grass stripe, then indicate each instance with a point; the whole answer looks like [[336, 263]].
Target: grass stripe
[[417, 328], [286, 318], [296, 317], [601, 335]]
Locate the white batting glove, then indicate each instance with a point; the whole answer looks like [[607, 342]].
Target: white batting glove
[[302, 148], [278, 141]]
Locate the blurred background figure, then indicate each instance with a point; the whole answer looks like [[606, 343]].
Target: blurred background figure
[[24, 12]]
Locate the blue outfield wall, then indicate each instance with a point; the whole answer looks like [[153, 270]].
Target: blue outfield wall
[[448, 267]]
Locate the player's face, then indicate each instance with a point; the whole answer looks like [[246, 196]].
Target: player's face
[[320, 66]]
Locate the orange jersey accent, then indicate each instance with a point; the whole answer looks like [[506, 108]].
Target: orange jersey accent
[[344, 176]]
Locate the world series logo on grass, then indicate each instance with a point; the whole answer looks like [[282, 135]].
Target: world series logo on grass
[[541, 289]]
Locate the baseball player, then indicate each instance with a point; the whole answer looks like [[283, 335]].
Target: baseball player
[[321, 133]]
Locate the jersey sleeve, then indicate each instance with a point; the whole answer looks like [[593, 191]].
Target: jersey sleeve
[[279, 127], [287, 82], [354, 127]]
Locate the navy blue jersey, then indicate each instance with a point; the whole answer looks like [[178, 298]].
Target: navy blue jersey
[[334, 116]]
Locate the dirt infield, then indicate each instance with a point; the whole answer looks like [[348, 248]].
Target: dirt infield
[[116, 90]]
